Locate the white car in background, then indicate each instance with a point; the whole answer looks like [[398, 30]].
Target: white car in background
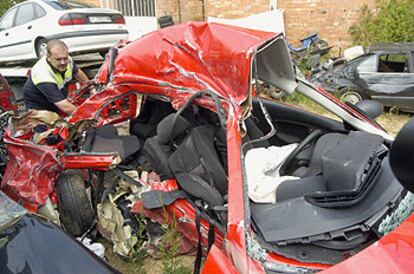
[[26, 28]]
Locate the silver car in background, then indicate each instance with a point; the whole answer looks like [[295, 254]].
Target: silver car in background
[[26, 28]]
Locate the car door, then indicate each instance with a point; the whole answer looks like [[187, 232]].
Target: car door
[[391, 81], [23, 30], [7, 38]]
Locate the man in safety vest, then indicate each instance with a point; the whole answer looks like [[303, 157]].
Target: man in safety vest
[[46, 87]]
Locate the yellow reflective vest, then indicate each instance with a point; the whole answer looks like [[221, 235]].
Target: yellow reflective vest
[[43, 73]]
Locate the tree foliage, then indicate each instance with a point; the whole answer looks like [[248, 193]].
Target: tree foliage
[[6, 4], [390, 21]]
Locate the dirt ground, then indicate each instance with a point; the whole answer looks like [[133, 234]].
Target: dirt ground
[[149, 265], [393, 122]]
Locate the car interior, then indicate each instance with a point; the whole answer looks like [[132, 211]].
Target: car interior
[[345, 189], [345, 186]]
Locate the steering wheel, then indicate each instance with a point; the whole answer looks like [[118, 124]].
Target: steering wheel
[[312, 136]]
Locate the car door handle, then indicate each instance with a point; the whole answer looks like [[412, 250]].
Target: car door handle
[[7, 34], [29, 27]]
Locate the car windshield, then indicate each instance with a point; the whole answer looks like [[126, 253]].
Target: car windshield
[[9, 210], [67, 5]]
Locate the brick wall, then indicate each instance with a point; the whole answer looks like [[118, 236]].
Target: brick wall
[[181, 10], [331, 18], [230, 9]]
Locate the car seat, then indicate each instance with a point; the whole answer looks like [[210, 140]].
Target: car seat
[[106, 139]]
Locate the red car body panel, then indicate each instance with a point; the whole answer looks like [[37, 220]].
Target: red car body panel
[[391, 254], [217, 262], [7, 100], [30, 173], [190, 57]]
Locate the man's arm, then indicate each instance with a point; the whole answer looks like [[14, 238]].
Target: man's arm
[[56, 97], [81, 76], [65, 106]]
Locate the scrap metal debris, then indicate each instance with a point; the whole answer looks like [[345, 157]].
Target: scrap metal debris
[[33, 118], [111, 221]]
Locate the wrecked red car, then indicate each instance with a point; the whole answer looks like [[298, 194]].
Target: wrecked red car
[[257, 186]]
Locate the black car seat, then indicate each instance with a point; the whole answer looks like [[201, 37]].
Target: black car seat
[[193, 150], [106, 139], [187, 153]]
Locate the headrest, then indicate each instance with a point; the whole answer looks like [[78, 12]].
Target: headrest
[[170, 127]]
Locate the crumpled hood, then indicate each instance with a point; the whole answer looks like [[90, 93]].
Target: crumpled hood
[[192, 57]]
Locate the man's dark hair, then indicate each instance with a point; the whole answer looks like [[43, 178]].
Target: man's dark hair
[[55, 43]]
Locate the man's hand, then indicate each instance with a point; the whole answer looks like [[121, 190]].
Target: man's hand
[[66, 107]]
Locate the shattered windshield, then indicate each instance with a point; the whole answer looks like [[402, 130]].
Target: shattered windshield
[[9, 210]]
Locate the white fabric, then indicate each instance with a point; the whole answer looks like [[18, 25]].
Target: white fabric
[[262, 169], [97, 248]]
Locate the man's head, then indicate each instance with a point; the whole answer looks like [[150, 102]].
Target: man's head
[[57, 54]]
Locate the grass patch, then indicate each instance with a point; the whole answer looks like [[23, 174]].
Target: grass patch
[[169, 248]]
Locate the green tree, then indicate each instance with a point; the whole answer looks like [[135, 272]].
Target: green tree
[[6, 4], [390, 21]]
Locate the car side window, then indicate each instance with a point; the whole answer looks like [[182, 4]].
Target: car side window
[[25, 14], [8, 19], [393, 63], [368, 65], [39, 11]]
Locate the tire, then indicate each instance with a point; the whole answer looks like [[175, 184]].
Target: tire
[[350, 95], [41, 47], [76, 214]]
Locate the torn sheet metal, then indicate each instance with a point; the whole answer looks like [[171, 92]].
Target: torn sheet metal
[[33, 166], [30, 173], [25, 123], [111, 222], [184, 59]]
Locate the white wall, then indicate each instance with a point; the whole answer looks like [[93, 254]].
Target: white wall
[[271, 21], [139, 25]]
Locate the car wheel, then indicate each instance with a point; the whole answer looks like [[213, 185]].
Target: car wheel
[[349, 95], [75, 210], [41, 45]]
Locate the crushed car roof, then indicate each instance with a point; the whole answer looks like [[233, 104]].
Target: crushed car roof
[[197, 56]]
